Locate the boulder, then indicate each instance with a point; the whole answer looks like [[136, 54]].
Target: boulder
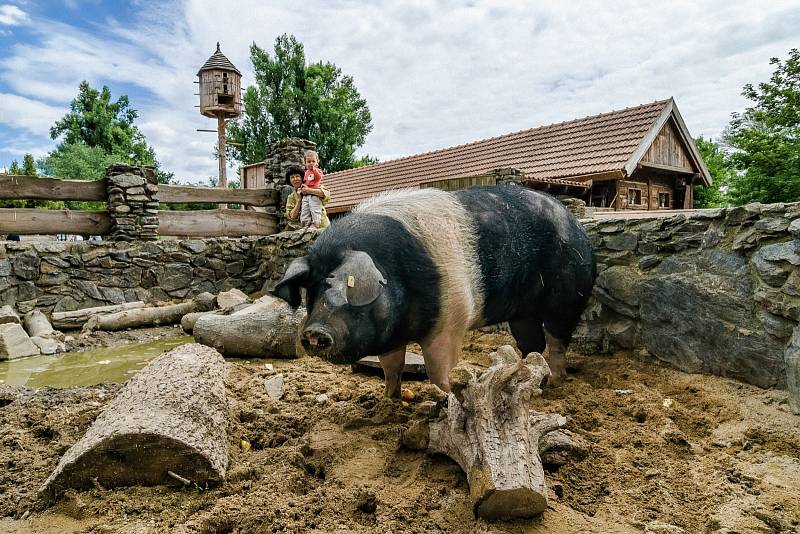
[[8, 315], [15, 343], [37, 325], [231, 298], [792, 359]]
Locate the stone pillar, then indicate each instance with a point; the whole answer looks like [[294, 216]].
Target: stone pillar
[[508, 176], [132, 197], [280, 156]]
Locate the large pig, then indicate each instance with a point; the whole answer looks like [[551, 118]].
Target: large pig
[[429, 265]]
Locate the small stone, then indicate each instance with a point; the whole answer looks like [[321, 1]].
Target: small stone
[[322, 399], [231, 298], [652, 473], [275, 387], [656, 527], [623, 391], [268, 367], [648, 261], [122, 208]]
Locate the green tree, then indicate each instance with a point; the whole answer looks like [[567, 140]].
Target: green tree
[[765, 138], [721, 172], [28, 165], [293, 99], [96, 121], [15, 168], [96, 133]]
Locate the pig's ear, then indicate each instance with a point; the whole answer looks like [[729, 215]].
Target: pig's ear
[[363, 281], [296, 275]]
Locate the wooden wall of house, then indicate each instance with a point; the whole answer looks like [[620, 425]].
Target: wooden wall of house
[[668, 149], [651, 187], [454, 184]]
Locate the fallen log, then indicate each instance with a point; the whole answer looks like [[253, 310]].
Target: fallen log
[[267, 328], [188, 321], [154, 316], [71, 320], [171, 416], [487, 427]]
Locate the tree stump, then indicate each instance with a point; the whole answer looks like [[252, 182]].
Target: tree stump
[[267, 328], [170, 417], [487, 427]]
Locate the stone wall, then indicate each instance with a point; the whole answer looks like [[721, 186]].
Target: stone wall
[[58, 276], [717, 292]]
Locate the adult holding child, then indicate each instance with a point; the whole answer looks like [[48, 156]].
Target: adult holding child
[[294, 178]]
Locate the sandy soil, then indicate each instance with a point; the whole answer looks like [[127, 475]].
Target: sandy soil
[[678, 451]]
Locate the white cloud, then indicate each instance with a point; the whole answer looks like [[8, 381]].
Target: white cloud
[[435, 73], [32, 115], [11, 15]]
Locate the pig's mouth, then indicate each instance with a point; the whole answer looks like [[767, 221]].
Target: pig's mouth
[[317, 341]]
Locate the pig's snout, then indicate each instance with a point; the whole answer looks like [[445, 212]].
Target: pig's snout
[[316, 339]]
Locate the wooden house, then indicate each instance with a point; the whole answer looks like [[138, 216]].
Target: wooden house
[[639, 158]]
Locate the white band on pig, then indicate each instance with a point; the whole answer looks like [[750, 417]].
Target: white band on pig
[[445, 229]]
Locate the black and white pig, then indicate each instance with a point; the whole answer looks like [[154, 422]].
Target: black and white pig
[[429, 265]]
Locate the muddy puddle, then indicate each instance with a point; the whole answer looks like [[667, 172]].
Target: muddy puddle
[[86, 368]]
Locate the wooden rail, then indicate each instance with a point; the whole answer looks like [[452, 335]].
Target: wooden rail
[[13, 187], [192, 194], [34, 221], [214, 223]]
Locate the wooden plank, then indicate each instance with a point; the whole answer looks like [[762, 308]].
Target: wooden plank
[[35, 221], [194, 195], [215, 223], [666, 168], [15, 187]]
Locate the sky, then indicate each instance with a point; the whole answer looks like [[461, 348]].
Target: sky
[[435, 73]]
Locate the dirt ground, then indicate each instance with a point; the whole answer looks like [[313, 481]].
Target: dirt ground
[[677, 451]]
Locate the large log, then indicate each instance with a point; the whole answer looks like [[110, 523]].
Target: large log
[[487, 427], [77, 318], [154, 316], [267, 328], [171, 416]]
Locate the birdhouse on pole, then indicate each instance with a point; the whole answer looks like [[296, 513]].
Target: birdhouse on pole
[[220, 98]]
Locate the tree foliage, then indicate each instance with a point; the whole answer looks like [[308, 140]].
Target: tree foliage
[[293, 99], [721, 172], [96, 133], [765, 138]]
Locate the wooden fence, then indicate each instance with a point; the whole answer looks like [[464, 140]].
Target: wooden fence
[[198, 223]]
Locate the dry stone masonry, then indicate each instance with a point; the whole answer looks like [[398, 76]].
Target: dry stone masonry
[[132, 202]]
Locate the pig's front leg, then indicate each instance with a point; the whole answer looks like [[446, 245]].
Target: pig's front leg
[[441, 354], [392, 363]]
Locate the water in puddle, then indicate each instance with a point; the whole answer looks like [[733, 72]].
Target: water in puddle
[[115, 364]]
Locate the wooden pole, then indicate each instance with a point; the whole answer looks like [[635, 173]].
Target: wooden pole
[[223, 180]]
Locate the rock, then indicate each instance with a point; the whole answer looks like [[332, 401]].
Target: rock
[[648, 261], [231, 298], [622, 241], [15, 343], [791, 358], [26, 266], [8, 315], [173, 276], [772, 274], [36, 324], [322, 399], [618, 288], [274, 386], [794, 228], [48, 346], [701, 322]]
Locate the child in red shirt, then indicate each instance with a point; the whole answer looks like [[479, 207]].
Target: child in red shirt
[[311, 206]]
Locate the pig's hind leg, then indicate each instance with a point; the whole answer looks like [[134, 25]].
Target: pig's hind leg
[[441, 354], [392, 364]]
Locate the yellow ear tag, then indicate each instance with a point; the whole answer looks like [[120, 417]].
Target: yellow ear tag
[[351, 281]]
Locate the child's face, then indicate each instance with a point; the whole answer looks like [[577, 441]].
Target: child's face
[[311, 160]]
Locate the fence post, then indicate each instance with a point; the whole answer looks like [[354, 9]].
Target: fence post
[[132, 197]]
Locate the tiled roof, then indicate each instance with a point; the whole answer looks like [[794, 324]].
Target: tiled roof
[[600, 143], [218, 61]]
